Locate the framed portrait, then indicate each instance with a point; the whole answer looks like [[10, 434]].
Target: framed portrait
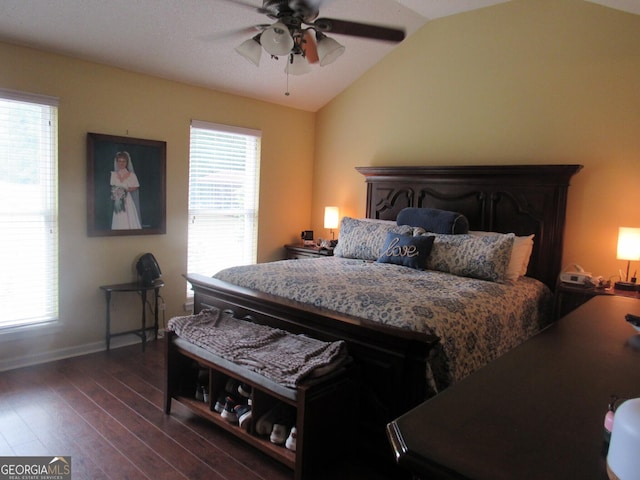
[[126, 186]]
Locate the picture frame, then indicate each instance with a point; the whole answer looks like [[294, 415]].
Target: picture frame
[[131, 201]]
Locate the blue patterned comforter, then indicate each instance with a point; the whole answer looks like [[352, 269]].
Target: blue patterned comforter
[[476, 320]]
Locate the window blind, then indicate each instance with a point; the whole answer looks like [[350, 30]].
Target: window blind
[[28, 209], [224, 166]]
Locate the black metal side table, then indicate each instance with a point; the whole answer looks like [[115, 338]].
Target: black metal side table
[[142, 290]]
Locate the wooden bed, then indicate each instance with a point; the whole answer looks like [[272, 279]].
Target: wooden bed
[[523, 199]]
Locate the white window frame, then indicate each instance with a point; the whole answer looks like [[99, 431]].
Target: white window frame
[[223, 227], [29, 291]]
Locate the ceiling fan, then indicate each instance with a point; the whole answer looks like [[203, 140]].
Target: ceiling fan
[[292, 34]]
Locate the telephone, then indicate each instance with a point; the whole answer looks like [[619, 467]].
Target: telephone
[[148, 269], [327, 244]]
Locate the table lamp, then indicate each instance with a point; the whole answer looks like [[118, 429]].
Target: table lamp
[[331, 219], [628, 249]]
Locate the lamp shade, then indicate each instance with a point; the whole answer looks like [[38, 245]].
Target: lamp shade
[[623, 461], [328, 49], [251, 50], [331, 217], [297, 65], [276, 39], [628, 244]]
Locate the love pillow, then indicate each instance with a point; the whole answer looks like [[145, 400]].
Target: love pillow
[[407, 251]]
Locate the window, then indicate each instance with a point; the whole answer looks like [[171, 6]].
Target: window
[[28, 209], [224, 166]]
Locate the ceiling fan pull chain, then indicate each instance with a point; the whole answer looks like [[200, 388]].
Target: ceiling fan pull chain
[[286, 94]]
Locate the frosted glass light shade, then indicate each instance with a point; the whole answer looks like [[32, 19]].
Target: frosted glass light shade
[[628, 244], [251, 50], [276, 39], [623, 461], [328, 49], [299, 66], [331, 217]]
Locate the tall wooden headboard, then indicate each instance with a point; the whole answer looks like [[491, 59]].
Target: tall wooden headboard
[[522, 199]]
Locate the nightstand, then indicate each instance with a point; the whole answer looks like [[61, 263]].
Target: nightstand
[[295, 252], [568, 297]]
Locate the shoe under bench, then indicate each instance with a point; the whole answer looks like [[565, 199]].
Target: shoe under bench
[[323, 405]]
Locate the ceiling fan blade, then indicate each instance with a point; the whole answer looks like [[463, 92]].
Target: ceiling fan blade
[[238, 32], [309, 3], [311, 48], [356, 29], [265, 9], [245, 4]]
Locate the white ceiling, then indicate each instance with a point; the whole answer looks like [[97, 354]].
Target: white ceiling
[[193, 41]]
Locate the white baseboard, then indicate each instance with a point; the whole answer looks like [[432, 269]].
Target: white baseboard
[[53, 355]]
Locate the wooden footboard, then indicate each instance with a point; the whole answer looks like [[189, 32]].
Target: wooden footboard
[[392, 363]]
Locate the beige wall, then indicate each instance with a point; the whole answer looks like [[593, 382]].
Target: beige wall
[[527, 81], [95, 98]]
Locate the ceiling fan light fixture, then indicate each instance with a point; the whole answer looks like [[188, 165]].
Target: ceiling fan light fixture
[[328, 49], [277, 39], [297, 65], [251, 50]]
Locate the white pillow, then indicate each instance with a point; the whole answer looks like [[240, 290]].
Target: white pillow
[[520, 254]]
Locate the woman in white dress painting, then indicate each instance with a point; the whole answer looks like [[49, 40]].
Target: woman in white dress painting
[[124, 191]]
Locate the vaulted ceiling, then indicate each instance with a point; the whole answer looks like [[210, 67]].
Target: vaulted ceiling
[[193, 41]]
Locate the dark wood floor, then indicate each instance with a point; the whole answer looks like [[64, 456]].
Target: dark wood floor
[[105, 411]]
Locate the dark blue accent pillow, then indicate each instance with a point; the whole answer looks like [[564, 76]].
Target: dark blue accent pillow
[[434, 220], [408, 251]]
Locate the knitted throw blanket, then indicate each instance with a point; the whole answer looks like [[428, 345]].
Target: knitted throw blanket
[[276, 354]]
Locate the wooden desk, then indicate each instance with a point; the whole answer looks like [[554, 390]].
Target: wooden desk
[[142, 290], [537, 412]]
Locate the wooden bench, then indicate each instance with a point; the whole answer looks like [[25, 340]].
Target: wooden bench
[[323, 405]]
